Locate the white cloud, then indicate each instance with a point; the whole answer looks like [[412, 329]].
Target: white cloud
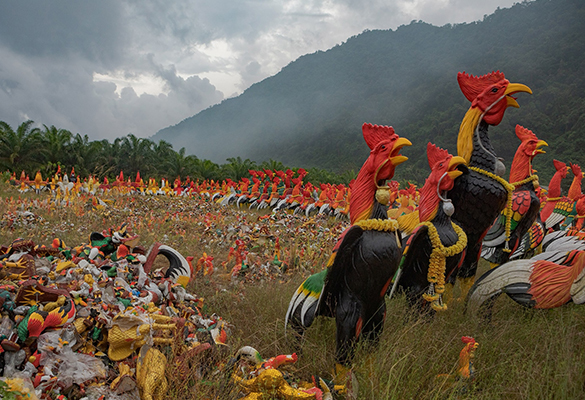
[[111, 67]]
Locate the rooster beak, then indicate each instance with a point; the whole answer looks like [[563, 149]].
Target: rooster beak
[[511, 102], [540, 143], [515, 88], [453, 164], [399, 144]]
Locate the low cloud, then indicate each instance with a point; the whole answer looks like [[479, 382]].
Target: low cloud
[[52, 51]]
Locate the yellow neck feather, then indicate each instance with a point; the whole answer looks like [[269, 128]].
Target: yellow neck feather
[[466, 132]]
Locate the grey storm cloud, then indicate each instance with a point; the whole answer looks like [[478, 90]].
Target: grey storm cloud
[[61, 29], [55, 54]]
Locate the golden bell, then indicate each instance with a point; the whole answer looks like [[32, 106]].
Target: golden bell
[[383, 196]]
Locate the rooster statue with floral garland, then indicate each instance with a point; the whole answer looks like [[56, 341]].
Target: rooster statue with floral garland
[[353, 286]]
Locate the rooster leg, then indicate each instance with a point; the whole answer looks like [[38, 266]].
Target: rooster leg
[[349, 322], [466, 274], [375, 324], [465, 284]]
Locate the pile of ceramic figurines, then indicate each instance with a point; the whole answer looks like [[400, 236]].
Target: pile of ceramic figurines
[[85, 322]]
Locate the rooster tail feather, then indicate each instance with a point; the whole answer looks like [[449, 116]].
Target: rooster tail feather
[[302, 306], [494, 281]]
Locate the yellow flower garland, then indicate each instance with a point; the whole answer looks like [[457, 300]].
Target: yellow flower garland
[[376, 224], [510, 189], [437, 262]]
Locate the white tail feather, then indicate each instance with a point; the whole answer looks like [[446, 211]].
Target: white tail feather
[[506, 274]]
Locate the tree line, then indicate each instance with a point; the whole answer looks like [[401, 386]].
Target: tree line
[[31, 149]]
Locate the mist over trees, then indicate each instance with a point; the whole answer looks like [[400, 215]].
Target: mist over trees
[[30, 149], [310, 114]]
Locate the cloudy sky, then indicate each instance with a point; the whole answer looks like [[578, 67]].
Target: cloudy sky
[[107, 68]]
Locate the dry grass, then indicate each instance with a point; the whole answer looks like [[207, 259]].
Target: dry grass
[[523, 354]]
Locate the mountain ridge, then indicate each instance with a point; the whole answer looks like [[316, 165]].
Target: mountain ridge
[[311, 112]]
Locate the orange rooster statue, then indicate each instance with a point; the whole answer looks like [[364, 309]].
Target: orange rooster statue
[[508, 230]]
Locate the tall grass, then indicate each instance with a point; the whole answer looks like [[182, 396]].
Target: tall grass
[[522, 354]]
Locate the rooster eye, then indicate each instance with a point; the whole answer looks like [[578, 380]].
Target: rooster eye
[[495, 90], [383, 147]]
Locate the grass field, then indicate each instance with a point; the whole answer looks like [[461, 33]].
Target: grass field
[[522, 354]]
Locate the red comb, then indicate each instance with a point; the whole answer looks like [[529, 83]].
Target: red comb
[[472, 86], [524, 134], [435, 154], [559, 165], [374, 134], [467, 339]]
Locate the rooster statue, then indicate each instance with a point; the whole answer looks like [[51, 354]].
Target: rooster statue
[[548, 280], [480, 194], [509, 230], [366, 257], [553, 197], [563, 208], [465, 375], [437, 246]]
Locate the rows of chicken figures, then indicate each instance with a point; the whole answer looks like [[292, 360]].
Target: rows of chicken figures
[[277, 190], [285, 190]]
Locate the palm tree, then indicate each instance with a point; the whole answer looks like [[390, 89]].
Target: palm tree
[[273, 165], [162, 152], [177, 164], [90, 157], [237, 169], [136, 154], [20, 149], [56, 145], [206, 169]]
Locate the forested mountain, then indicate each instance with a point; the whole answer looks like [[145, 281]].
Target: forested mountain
[[311, 112]]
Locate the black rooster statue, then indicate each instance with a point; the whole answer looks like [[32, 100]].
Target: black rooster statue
[[480, 194], [437, 245], [364, 260]]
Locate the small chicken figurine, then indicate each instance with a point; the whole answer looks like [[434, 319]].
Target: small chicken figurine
[[466, 370], [262, 380], [465, 374]]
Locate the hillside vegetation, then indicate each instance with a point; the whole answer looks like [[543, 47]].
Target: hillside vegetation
[[310, 114]]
